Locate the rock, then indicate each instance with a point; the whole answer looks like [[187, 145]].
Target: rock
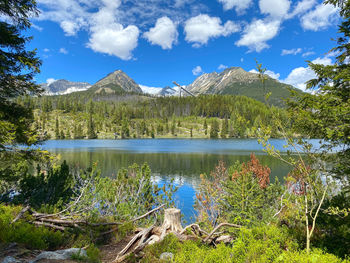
[[153, 239], [167, 256], [10, 260], [60, 254]]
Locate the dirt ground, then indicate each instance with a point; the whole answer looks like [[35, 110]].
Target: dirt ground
[[108, 252]]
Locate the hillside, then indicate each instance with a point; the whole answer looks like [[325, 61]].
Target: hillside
[[236, 81]]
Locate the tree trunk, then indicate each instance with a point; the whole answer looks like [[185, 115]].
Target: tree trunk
[[172, 220]]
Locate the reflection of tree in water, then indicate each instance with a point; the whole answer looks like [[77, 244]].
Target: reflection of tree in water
[[181, 166]]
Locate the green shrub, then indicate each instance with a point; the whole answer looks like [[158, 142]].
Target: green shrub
[[27, 234], [316, 255]]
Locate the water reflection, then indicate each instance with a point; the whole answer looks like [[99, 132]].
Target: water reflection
[[182, 160]]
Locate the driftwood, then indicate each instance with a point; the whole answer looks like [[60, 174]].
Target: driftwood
[[172, 224]]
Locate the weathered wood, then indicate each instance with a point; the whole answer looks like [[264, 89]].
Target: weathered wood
[[194, 226], [20, 214], [172, 220], [219, 226]]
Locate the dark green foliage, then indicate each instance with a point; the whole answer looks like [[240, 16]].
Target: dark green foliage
[[214, 129], [224, 128], [48, 187], [18, 67], [326, 114], [279, 91], [25, 233]]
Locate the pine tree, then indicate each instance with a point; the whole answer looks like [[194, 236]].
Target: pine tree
[[224, 128], [214, 129], [57, 129], [17, 71], [125, 131], [205, 126]]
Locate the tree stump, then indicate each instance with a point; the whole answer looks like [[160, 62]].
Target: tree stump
[[172, 221]]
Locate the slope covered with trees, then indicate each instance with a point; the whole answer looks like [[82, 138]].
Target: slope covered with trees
[[138, 117]]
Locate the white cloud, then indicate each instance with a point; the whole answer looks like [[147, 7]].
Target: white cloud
[[239, 5], [49, 81], [302, 7], [274, 8], [63, 51], [110, 37], [222, 67], [106, 33], [242, 59], [267, 72], [308, 53], [114, 40], [320, 18], [257, 33], [70, 28], [326, 61], [46, 50], [197, 70], [201, 28], [292, 51], [39, 28], [164, 33], [299, 76]]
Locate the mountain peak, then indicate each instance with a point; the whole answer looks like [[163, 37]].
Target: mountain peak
[[237, 81], [63, 86], [116, 81]]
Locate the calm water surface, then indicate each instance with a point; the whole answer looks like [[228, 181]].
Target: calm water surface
[[181, 159]]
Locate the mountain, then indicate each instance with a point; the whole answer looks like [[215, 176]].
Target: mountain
[[115, 82], [62, 86], [237, 81]]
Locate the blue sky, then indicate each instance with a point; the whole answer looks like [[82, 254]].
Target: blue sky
[[156, 41]]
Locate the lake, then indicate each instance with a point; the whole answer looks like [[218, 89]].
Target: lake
[[181, 159]]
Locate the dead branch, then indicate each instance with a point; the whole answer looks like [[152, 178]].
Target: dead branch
[[38, 223], [20, 214], [148, 213], [219, 226], [194, 226]]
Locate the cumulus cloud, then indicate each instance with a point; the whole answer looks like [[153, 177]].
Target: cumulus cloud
[[267, 72], [302, 7], [197, 70], [299, 76], [320, 18], [239, 5], [164, 33], [274, 8], [63, 51], [110, 37], [115, 40], [201, 28], [70, 28], [222, 67], [293, 51], [257, 33], [49, 81]]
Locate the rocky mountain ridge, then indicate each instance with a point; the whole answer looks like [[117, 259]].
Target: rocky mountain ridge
[[62, 86], [234, 81]]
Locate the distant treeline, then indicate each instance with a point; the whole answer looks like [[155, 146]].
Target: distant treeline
[[141, 116]]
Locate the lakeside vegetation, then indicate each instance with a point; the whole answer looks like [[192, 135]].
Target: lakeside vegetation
[[305, 219]]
